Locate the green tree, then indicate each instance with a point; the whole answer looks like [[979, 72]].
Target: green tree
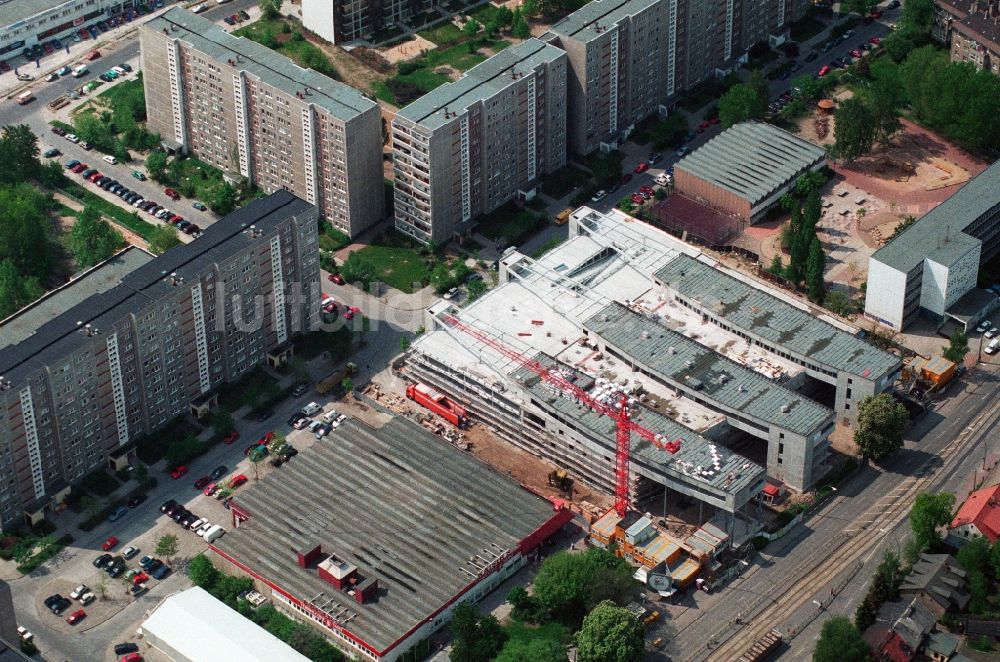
[[270, 9], [222, 199], [18, 153], [739, 104], [477, 637], [626, 204], [471, 28], [885, 96], [347, 384], [222, 422], [203, 573], [958, 346], [881, 422], [839, 303], [814, 272], [995, 560], [854, 129], [798, 246], [811, 182], [141, 474], [16, 291], [840, 641], [166, 545], [566, 585], [776, 267], [670, 131], [24, 229], [533, 650], [918, 16], [92, 130], [807, 88], [974, 556], [930, 512], [610, 634], [898, 46], [504, 15], [358, 269], [162, 238], [476, 289], [156, 164], [89, 505], [92, 239], [519, 25], [528, 7], [902, 226], [861, 7]]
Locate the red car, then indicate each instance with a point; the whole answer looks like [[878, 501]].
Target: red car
[[626, 178], [79, 167], [637, 199], [140, 578], [210, 489], [236, 481], [336, 278], [178, 472], [231, 437], [824, 70], [76, 617], [95, 177], [713, 120], [131, 657], [202, 482], [172, 194], [93, 55], [266, 439], [642, 167], [330, 307], [874, 41], [876, 14], [647, 189], [109, 544], [349, 313], [856, 53]]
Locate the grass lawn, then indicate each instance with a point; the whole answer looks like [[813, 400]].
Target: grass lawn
[[202, 177], [445, 33], [484, 13], [402, 88], [118, 93], [458, 57], [397, 261], [519, 635], [513, 224], [130, 220]]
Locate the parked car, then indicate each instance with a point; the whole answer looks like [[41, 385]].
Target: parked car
[[219, 472], [102, 560], [109, 544], [167, 505], [683, 151], [136, 500], [231, 437], [236, 481], [984, 326], [145, 562], [124, 648], [203, 529], [160, 572], [993, 332], [130, 552], [641, 168], [202, 482], [199, 206], [178, 472], [51, 153], [118, 513], [600, 195], [336, 279], [76, 617], [24, 633], [79, 591], [171, 193], [626, 178], [311, 409]]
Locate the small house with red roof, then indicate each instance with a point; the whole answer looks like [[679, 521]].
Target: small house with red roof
[[979, 516]]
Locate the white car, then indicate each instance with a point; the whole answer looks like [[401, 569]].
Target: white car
[[302, 423], [87, 598], [203, 528], [683, 151], [993, 332], [330, 416], [24, 633], [72, 138], [79, 591], [197, 9], [130, 552], [311, 408], [984, 326], [450, 294], [600, 195], [993, 346]]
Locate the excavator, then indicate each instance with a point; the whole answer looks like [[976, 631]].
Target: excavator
[[558, 478]]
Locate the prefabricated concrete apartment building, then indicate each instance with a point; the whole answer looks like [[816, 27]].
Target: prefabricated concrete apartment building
[[742, 375], [251, 112]]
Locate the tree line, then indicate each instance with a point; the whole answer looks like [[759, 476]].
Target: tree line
[[806, 256]]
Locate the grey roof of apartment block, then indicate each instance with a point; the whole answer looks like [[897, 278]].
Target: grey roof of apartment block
[[675, 358], [940, 233], [752, 160], [62, 334], [403, 506], [757, 312], [340, 100], [735, 472], [480, 82], [591, 20], [95, 280]]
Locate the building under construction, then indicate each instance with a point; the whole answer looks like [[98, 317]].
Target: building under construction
[[594, 308]]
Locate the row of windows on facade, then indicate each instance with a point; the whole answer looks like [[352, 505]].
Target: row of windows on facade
[[42, 20]]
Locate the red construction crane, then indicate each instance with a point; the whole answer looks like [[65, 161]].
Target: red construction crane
[[619, 411]]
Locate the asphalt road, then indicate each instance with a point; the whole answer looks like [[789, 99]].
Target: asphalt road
[[847, 535]]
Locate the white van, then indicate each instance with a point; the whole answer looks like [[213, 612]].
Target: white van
[[311, 409], [80, 71], [214, 533], [110, 159]]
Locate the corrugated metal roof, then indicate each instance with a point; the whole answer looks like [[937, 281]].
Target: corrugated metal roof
[[591, 20], [677, 359], [340, 100], [752, 160], [201, 628], [755, 311], [481, 82], [940, 233], [404, 507]]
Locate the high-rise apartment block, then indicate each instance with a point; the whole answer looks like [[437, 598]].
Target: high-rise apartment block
[[245, 109], [617, 56], [339, 21], [470, 146], [119, 359]]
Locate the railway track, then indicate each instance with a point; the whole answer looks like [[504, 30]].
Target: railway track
[[824, 565]]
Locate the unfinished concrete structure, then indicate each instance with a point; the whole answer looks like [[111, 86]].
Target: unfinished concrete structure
[[593, 307], [828, 353]]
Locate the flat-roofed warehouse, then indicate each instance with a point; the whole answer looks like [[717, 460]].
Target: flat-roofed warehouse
[[828, 353], [746, 169], [374, 536]]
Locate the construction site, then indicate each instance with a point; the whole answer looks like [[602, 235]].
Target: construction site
[[595, 359]]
